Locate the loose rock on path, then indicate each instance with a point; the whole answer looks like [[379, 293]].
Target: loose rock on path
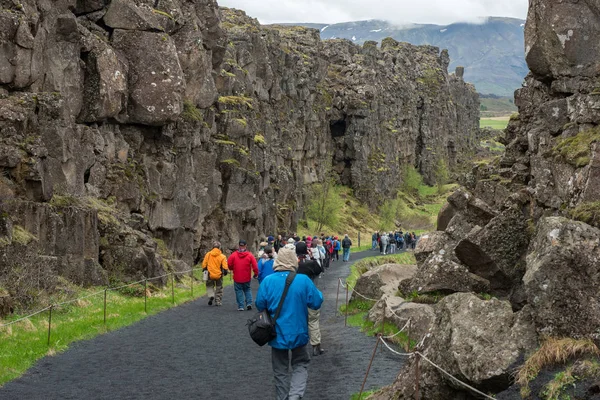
[[196, 351]]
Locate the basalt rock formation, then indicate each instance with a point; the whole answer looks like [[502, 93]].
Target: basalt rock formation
[[132, 133], [527, 223]]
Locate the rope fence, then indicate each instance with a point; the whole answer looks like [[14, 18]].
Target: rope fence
[[105, 291], [382, 339]]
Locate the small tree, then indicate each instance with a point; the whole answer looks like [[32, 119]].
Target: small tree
[[324, 204], [411, 180], [441, 174]]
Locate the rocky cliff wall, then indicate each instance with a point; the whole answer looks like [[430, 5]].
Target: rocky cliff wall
[[132, 133], [526, 230]]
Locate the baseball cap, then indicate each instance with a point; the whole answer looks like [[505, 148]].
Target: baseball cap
[[242, 242]]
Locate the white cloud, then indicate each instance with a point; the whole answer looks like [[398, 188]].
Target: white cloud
[[396, 11]]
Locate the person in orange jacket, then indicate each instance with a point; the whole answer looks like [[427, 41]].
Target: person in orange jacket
[[242, 264], [215, 263]]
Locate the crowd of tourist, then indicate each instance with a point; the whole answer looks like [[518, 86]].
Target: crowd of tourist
[[391, 242], [287, 269]]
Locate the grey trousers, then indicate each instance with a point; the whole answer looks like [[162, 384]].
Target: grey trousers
[[286, 386]]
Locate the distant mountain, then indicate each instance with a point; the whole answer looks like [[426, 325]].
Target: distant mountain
[[492, 53]]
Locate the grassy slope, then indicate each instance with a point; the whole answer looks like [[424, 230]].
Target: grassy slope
[[499, 123], [23, 343], [419, 214], [497, 107]]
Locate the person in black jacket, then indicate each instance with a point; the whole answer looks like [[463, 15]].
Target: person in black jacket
[[311, 268], [346, 244]]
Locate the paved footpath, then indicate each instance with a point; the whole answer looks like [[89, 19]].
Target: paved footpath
[[195, 351]]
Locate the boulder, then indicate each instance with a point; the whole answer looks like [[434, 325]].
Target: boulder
[[441, 274], [430, 243], [477, 341], [398, 311], [494, 251], [445, 216], [563, 276], [382, 280]]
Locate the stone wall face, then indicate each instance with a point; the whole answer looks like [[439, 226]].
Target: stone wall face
[[529, 224], [170, 126]]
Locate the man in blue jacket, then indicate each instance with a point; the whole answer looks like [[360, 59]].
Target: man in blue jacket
[[292, 324]]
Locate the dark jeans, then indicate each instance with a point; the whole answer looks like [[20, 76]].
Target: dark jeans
[[242, 290]]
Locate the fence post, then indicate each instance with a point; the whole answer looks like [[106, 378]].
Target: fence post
[[362, 388], [173, 287], [418, 376], [105, 291], [192, 283], [408, 339], [146, 296], [346, 318], [50, 323], [382, 329], [359, 239], [337, 297]]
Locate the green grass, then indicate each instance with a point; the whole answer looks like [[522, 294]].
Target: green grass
[[365, 395], [23, 343], [493, 123]]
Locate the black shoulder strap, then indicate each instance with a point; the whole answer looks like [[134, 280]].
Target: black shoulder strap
[[288, 283]]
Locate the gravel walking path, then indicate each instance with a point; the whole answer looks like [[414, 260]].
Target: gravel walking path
[[195, 351]]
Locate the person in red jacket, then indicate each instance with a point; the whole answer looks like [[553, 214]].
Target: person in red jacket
[[242, 263]]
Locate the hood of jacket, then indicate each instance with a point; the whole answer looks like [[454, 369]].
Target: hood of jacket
[[242, 254], [286, 260], [215, 252]]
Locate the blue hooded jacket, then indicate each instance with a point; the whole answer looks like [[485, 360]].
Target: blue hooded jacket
[[292, 324], [265, 268]]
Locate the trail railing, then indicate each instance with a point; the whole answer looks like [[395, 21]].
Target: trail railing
[[105, 292]]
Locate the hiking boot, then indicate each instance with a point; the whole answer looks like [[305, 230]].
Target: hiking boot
[[241, 309], [249, 307], [317, 350], [210, 301]]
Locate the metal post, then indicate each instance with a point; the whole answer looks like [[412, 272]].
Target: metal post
[[346, 319], [358, 239], [146, 296], [382, 328], [337, 297], [50, 323], [418, 377], [192, 284], [105, 291], [362, 388], [408, 338], [173, 287]]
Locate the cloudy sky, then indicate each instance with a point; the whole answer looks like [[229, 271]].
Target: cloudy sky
[[397, 11]]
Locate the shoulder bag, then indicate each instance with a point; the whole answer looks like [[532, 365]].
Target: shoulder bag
[[262, 326]]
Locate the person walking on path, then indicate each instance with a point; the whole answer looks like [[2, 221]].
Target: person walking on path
[[374, 241], [384, 243], [242, 263], [346, 244], [265, 264], [308, 266], [336, 248], [215, 263], [290, 345]]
